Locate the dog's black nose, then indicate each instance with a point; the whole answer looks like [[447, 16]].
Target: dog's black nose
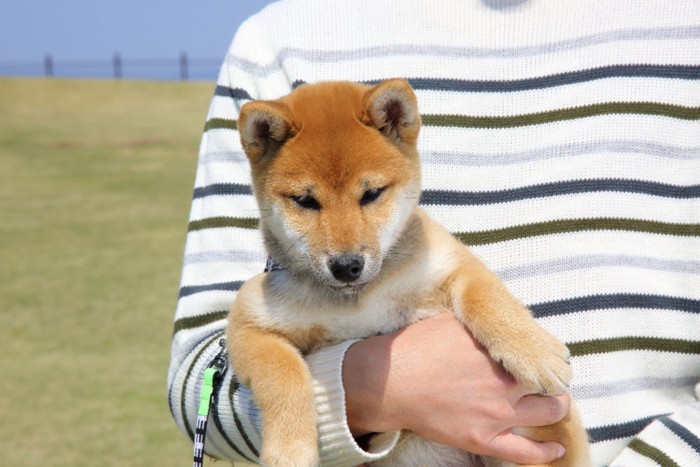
[[346, 268]]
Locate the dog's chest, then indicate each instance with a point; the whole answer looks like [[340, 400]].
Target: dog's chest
[[377, 314], [384, 316]]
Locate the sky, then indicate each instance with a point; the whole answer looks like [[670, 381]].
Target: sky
[[76, 31]]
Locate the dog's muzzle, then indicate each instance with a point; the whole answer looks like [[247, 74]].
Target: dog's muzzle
[[346, 268]]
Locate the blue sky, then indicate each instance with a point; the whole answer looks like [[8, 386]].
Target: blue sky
[[137, 29]]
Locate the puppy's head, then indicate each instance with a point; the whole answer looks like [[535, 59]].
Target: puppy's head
[[336, 175]]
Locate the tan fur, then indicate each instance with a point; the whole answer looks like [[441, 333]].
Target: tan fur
[[318, 157]]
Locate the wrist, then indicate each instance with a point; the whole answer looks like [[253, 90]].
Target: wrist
[[369, 406]]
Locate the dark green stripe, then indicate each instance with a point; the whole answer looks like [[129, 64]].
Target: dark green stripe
[[655, 454], [198, 321], [509, 233], [647, 108], [614, 301], [219, 426], [220, 222], [232, 286], [183, 396], [220, 123], [620, 344], [538, 118], [575, 225], [231, 391]]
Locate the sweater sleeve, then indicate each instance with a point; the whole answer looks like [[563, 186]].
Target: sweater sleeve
[[672, 441], [223, 249]]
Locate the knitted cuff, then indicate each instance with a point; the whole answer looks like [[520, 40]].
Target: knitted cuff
[[337, 445]]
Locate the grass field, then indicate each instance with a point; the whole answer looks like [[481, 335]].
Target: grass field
[[95, 184]]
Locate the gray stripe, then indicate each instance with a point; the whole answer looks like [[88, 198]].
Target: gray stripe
[[598, 261], [330, 56], [557, 79], [561, 151], [233, 256], [242, 189], [603, 390], [540, 190], [621, 430], [688, 437], [689, 72]]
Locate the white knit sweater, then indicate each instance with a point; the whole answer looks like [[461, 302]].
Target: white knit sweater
[[561, 140]]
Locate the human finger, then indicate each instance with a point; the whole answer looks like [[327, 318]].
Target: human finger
[[534, 410], [520, 450]]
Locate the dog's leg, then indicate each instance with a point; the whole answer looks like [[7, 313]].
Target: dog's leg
[[569, 432], [281, 384], [535, 358]]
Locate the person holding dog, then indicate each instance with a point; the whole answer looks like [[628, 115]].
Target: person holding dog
[[561, 142]]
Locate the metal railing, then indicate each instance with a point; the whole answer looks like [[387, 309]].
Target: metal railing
[[118, 67]]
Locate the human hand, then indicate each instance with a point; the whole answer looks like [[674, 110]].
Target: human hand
[[434, 379]]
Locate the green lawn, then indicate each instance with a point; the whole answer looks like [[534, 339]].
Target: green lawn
[[95, 184]]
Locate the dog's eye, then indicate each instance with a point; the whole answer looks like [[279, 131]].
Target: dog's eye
[[371, 195], [306, 202]]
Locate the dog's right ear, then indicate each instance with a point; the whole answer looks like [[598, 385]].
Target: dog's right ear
[[264, 126]]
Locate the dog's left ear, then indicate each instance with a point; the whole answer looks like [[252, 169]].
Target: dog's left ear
[[392, 108]]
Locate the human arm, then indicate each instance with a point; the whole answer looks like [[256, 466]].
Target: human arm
[[436, 380]]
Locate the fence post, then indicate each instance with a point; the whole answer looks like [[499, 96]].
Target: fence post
[[183, 66], [117, 62], [48, 65]]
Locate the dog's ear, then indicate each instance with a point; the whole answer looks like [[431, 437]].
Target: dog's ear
[[392, 108], [264, 126]]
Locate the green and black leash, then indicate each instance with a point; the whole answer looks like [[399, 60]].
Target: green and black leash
[[213, 375]]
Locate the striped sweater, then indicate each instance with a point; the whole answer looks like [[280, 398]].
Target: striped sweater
[[561, 140]]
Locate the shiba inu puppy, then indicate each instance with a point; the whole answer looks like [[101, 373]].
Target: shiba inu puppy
[[337, 176]]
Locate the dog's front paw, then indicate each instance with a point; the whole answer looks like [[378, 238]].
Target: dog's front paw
[[542, 367], [296, 453]]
